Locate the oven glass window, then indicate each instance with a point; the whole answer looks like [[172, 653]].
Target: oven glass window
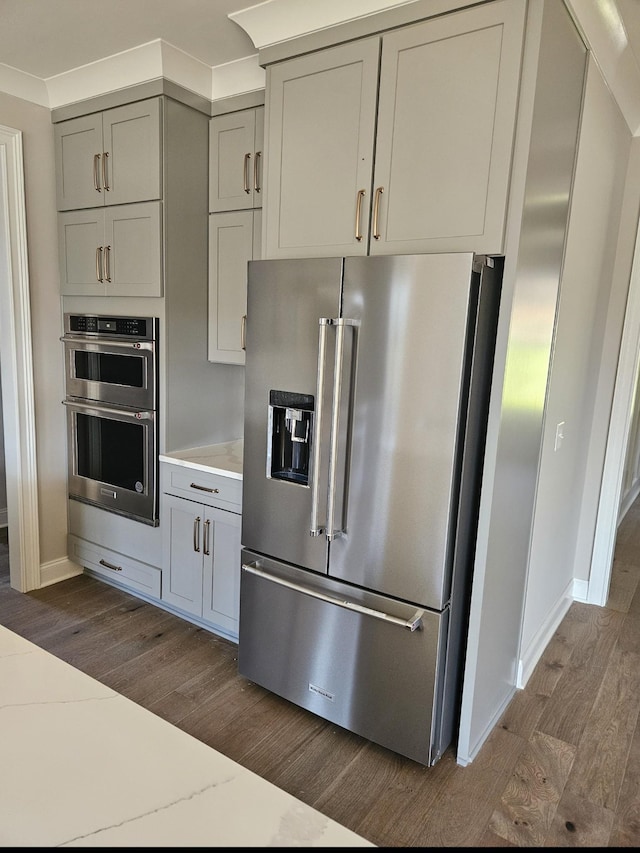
[[111, 451], [110, 368]]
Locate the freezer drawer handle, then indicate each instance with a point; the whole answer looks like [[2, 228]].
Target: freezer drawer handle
[[412, 624]]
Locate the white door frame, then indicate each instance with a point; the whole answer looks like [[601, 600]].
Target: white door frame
[[617, 440], [17, 369]]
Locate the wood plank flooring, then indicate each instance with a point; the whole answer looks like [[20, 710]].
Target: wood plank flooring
[[561, 769]]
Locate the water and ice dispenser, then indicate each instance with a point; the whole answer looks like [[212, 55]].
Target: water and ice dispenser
[[290, 434]]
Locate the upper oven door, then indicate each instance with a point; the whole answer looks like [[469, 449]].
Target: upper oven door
[[121, 373]]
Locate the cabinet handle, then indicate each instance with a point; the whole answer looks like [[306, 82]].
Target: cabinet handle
[[204, 488], [107, 263], [196, 533], [105, 175], [360, 196], [206, 537], [96, 182], [99, 275], [110, 566], [376, 211], [256, 171], [243, 332], [247, 188]]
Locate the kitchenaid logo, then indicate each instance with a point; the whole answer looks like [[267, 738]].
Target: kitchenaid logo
[[324, 693]]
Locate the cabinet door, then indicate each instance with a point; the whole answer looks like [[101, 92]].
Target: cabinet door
[[183, 525], [446, 121], [81, 253], [132, 152], [232, 238], [78, 148], [132, 250], [234, 173], [319, 152], [221, 573]]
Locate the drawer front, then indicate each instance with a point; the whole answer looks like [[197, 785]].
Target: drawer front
[[207, 488], [115, 567]]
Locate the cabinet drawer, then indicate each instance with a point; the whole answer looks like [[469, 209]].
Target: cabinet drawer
[[115, 567], [203, 486]]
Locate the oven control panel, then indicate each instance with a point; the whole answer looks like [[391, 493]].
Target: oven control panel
[[124, 327]]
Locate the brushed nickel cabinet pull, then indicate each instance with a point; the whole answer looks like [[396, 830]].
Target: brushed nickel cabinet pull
[[243, 332], [110, 566], [107, 263], [99, 275], [256, 171], [376, 211], [105, 175], [247, 158], [196, 533], [204, 489], [206, 538], [360, 196], [96, 182]]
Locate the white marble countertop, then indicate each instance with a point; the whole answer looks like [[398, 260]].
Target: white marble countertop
[[84, 766], [224, 458]]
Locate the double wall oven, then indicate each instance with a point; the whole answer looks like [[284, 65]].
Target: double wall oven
[[111, 398]]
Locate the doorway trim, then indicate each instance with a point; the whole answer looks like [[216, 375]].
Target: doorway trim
[[619, 427], [16, 364]]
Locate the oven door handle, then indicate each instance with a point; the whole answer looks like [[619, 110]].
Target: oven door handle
[[131, 414], [102, 342]]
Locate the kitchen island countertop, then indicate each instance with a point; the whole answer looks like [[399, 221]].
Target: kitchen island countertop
[[83, 765], [224, 458]]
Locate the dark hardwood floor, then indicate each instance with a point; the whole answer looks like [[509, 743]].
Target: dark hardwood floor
[[561, 769]]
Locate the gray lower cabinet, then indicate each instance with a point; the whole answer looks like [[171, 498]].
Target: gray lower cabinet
[[234, 240], [111, 251], [115, 567], [201, 547]]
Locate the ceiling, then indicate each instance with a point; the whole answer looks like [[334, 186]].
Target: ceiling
[[45, 38]]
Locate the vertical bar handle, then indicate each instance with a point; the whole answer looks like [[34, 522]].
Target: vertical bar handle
[[316, 528], [247, 158], [196, 534], [205, 546], [107, 263], [335, 426], [99, 275], [96, 181], [243, 332], [361, 195], [105, 174], [376, 212], [256, 172]]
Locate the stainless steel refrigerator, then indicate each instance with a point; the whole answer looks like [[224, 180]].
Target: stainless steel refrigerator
[[367, 383]]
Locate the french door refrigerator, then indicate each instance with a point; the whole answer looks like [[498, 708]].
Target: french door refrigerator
[[366, 396]]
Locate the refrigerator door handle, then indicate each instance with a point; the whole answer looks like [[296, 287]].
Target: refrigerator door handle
[[412, 624], [340, 324], [317, 528]]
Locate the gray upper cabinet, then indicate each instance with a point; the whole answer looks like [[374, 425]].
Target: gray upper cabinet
[[112, 157], [235, 160], [443, 136], [321, 111]]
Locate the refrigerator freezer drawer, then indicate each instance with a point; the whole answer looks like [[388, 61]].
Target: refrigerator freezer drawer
[[354, 658]]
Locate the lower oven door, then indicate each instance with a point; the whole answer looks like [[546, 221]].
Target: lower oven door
[[113, 459]]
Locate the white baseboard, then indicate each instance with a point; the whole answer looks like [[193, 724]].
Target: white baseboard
[[58, 570], [628, 499], [532, 655]]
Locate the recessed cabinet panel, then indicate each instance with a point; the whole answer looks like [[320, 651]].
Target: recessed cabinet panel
[[448, 97], [81, 238], [77, 169], [320, 151], [236, 160], [221, 570], [232, 244]]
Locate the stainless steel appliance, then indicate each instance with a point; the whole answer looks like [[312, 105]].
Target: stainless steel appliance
[[111, 388], [366, 395]]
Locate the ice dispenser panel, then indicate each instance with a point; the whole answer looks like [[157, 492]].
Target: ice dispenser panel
[[289, 439]]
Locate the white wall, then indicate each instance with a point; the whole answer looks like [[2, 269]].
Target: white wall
[[580, 344], [38, 151]]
